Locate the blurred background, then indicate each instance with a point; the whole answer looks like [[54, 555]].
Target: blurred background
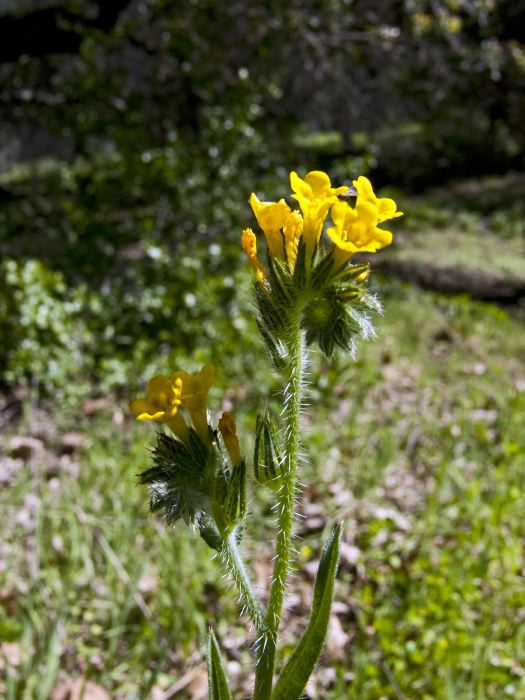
[[132, 133]]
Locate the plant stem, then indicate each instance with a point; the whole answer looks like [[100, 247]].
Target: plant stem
[[286, 504], [235, 565]]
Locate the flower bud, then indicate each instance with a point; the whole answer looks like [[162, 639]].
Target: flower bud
[[234, 506], [268, 453]]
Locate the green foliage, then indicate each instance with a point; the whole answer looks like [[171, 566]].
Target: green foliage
[[437, 529], [106, 289], [101, 582], [38, 673], [42, 325], [418, 445]]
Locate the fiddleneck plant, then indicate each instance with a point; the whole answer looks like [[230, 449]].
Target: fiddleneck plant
[[308, 293]]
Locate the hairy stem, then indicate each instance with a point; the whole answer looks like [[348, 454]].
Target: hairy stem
[[235, 565], [286, 503]]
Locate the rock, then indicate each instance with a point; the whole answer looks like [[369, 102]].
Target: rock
[[25, 447]]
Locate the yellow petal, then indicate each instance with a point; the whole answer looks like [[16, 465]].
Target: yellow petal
[[316, 185], [343, 214], [319, 183], [194, 395], [367, 213], [271, 217], [364, 188], [249, 244], [292, 233], [299, 186], [159, 383], [159, 416], [143, 410]]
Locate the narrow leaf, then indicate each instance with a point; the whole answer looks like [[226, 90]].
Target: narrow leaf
[[301, 664], [51, 654], [217, 682]]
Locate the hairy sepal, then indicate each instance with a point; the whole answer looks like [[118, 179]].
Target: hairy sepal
[[176, 477]]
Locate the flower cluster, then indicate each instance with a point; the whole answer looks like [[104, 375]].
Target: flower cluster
[[355, 230], [302, 275], [198, 473]]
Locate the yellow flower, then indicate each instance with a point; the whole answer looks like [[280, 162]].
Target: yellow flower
[[356, 229], [163, 398], [271, 217], [229, 435], [315, 195], [249, 243], [194, 396], [386, 207]]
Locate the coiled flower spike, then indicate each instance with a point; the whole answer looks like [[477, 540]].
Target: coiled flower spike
[[303, 278]]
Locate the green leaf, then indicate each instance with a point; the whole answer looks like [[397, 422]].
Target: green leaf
[[51, 656], [301, 664], [217, 681]]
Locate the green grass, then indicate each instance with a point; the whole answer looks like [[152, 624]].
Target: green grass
[[418, 446], [470, 226], [464, 250], [436, 459]]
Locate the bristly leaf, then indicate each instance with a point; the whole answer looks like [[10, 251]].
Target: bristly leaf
[[217, 681], [351, 272], [339, 318], [301, 664]]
